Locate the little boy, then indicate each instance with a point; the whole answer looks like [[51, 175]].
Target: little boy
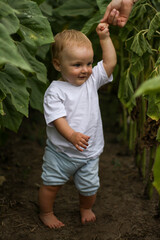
[[74, 126]]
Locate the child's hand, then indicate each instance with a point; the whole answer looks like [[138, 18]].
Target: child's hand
[[79, 140], [102, 30]]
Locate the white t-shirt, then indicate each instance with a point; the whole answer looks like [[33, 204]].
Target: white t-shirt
[[80, 106]]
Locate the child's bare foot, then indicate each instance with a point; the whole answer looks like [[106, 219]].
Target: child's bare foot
[[50, 220], [87, 215]]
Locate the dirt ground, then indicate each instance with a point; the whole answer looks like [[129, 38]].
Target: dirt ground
[[121, 209]]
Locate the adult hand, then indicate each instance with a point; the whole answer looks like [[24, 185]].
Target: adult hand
[[117, 12]]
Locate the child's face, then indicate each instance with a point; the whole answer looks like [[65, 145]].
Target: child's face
[[76, 64]]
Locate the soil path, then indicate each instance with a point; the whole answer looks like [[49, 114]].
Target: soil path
[[122, 212]]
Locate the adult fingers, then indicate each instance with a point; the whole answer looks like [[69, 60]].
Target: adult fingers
[[112, 17], [108, 10], [115, 19], [122, 22]]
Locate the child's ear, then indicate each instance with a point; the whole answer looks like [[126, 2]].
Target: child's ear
[[56, 64]]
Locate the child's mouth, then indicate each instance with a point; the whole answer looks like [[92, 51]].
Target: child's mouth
[[83, 77]]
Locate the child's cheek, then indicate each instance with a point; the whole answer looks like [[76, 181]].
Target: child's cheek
[[73, 72], [90, 72]]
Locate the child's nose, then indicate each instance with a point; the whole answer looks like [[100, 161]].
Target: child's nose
[[84, 69]]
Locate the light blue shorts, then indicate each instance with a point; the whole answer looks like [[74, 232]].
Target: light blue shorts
[[58, 168]]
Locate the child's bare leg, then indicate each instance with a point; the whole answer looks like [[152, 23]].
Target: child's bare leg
[[47, 195], [86, 203]]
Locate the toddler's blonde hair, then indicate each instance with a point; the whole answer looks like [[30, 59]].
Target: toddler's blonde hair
[[68, 38]]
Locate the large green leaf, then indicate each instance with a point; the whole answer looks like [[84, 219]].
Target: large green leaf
[[125, 31], [126, 90], [137, 12], [137, 65], [38, 67], [153, 110], [34, 27], [150, 86], [140, 45], [46, 9], [9, 52], [154, 25], [76, 8], [102, 5], [8, 18], [37, 90], [11, 119], [91, 24], [156, 170], [42, 51], [13, 83]]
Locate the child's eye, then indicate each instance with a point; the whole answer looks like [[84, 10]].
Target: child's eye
[[89, 64], [77, 65]]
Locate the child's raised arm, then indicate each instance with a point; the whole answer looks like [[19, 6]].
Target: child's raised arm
[[108, 51]]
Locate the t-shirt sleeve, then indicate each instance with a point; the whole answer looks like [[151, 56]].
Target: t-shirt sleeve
[[100, 76], [53, 106]]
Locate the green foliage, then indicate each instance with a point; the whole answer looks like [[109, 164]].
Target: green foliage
[[69, 8], [9, 52], [139, 85], [154, 25], [142, 49], [156, 168], [91, 24], [150, 86], [13, 84], [23, 78], [126, 89]]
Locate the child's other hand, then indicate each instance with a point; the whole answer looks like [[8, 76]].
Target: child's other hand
[[103, 30], [79, 140]]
